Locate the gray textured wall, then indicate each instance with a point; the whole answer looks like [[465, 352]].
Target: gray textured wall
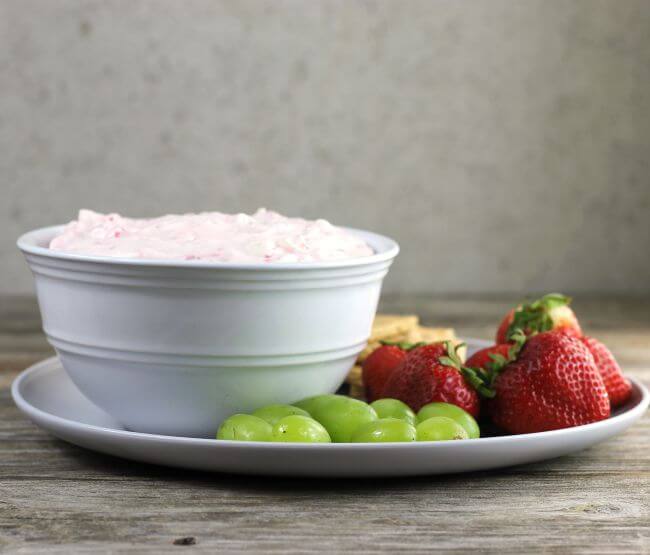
[[506, 145]]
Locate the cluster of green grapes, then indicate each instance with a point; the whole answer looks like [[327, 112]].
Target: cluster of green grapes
[[341, 419]]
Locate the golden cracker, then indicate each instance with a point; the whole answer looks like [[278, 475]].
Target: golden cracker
[[355, 383], [389, 325], [430, 335], [354, 376], [358, 392]]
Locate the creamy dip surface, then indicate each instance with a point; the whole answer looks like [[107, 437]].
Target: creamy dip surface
[[262, 237]]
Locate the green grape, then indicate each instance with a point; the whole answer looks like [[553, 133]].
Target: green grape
[[244, 427], [273, 413], [384, 430], [440, 428], [392, 408], [311, 403], [341, 415], [299, 429], [465, 419]]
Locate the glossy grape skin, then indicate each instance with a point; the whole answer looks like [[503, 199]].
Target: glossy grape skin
[[440, 428], [384, 430], [299, 429], [392, 408], [341, 415], [244, 427], [465, 419], [311, 403], [273, 413]]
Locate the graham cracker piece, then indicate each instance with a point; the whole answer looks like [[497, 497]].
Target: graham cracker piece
[[354, 376], [386, 326], [358, 392], [356, 383], [430, 335]]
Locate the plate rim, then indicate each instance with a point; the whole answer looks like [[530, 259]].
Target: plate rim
[[53, 364]]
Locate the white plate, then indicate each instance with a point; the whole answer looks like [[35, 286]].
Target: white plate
[[48, 397]]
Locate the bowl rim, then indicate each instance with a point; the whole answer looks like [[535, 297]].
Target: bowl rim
[[385, 249]]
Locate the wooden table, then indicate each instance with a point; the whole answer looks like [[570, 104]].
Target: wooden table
[[57, 498]]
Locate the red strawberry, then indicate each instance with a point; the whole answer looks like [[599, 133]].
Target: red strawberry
[[377, 368], [547, 313], [618, 386], [486, 357], [504, 327], [491, 361], [432, 373], [552, 384]]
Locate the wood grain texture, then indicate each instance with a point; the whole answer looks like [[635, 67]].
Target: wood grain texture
[[57, 498]]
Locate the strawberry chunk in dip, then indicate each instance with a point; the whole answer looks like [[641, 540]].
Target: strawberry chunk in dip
[[262, 237]]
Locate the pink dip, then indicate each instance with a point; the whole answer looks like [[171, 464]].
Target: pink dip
[[211, 236]]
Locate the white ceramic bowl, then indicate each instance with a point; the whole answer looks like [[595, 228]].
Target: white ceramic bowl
[[174, 347]]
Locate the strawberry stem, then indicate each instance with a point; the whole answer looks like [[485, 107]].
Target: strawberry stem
[[404, 345], [483, 380], [477, 380], [452, 359], [534, 317], [474, 376]]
